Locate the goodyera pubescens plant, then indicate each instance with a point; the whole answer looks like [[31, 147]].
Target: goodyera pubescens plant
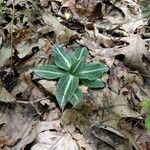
[[72, 68]]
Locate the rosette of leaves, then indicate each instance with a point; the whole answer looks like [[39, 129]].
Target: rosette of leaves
[[70, 68]]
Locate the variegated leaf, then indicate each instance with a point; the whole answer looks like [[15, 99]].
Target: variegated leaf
[[81, 52], [77, 66], [77, 97], [98, 83], [66, 87], [93, 71], [48, 71], [61, 58]]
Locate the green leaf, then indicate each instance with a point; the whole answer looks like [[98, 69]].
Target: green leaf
[[81, 52], [61, 58], [98, 83], [77, 97], [147, 123], [147, 103], [48, 71], [93, 71], [72, 58], [77, 66], [66, 87]]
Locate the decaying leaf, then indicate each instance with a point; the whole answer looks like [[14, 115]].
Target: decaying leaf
[[12, 130], [5, 55], [135, 53], [25, 48], [5, 96], [63, 34], [107, 119], [55, 141]]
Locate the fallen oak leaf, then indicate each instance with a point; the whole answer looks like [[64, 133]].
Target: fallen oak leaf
[[63, 34], [136, 54]]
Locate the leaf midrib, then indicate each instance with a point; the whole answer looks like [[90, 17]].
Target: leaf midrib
[[89, 71], [67, 62], [69, 81], [46, 71], [77, 66]]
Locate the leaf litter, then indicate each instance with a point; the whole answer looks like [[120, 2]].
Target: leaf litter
[[111, 118]]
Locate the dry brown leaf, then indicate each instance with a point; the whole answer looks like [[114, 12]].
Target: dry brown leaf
[[101, 106], [136, 54], [63, 34], [99, 39], [133, 16], [5, 96], [82, 142], [103, 40], [49, 85], [55, 141], [5, 55], [125, 15], [143, 92], [19, 121], [84, 10]]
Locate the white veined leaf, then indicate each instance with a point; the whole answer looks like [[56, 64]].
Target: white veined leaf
[[66, 87], [61, 58], [77, 66], [72, 58], [48, 71], [98, 83], [77, 97], [81, 52], [93, 71]]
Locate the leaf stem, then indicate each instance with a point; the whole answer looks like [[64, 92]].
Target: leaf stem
[[11, 33]]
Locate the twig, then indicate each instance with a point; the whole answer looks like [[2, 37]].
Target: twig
[[32, 102], [11, 32]]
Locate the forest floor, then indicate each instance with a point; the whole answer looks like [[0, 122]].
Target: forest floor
[[116, 33]]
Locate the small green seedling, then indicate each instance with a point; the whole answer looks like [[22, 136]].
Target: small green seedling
[[147, 110], [72, 68]]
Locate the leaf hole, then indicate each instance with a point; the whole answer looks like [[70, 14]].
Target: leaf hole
[[19, 95], [120, 57]]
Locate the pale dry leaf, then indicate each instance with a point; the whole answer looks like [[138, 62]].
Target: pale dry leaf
[[98, 38], [25, 47], [127, 17], [44, 3], [114, 104], [122, 108], [28, 135], [85, 10], [48, 85], [13, 130], [25, 90], [143, 93], [133, 15], [5, 96], [135, 53], [76, 118], [5, 55], [36, 129], [55, 141], [49, 125], [46, 140], [82, 142], [103, 40], [84, 89], [63, 34]]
